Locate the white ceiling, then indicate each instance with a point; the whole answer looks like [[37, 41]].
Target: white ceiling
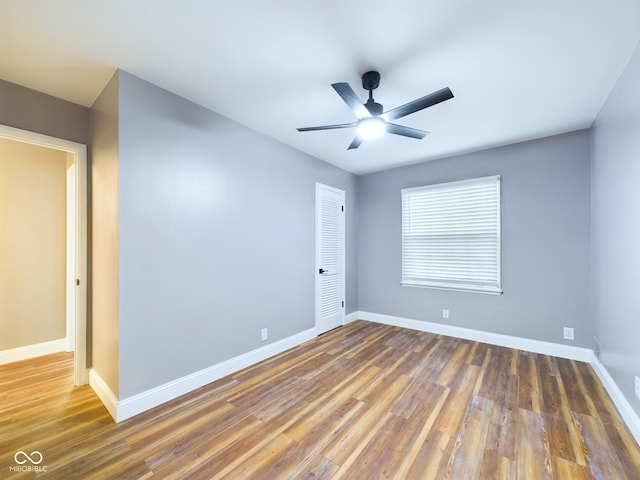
[[518, 69]]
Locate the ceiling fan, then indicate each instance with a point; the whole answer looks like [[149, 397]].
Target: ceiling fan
[[372, 120]]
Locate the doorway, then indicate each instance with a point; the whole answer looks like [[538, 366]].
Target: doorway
[[330, 258], [76, 281]]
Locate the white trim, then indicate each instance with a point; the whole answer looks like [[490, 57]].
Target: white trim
[[530, 345], [627, 412], [39, 139], [79, 151], [352, 317], [453, 288], [104, 393], [122, 409], [82, 202], [71, 254], [32, 351]]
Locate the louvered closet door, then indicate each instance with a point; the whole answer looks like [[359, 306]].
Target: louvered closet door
[[330, 277]]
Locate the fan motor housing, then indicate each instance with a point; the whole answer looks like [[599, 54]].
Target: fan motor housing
[[370, 80]]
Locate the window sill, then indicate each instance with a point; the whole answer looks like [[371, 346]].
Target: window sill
[[457, 288]]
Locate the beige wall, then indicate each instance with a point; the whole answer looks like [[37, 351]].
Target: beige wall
[[32, 244]]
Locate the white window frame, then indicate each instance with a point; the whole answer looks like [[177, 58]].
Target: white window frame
[[432, 270]]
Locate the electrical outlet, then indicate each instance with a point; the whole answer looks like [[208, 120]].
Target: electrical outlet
[[568, 333], [264, 334], [445, 313], [638, 387]]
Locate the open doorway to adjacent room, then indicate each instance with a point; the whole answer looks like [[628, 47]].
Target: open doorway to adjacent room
[[43, 243]]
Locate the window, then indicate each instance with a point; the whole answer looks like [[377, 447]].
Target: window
[[451, 235]]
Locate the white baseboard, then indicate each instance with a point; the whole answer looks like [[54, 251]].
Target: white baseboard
[[32, 351], [627, 412], [536, 346], [126, 408], [351, 317], [131, 406], [104, 393]]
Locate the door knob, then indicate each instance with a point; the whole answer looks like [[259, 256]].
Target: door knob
[[322, 270]]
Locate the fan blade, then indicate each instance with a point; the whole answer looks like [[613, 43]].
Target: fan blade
[[355, 144], [419, 104], [327, 127], [351, 99], [405, 131]]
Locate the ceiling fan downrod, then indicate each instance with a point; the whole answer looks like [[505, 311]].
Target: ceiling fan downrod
[[371, 81]]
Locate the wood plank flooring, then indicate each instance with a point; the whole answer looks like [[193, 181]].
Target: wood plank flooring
[[365, 401]]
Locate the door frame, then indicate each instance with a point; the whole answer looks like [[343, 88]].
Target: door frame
[[77, 308], [343, 239]]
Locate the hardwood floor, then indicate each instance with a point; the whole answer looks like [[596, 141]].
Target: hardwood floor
[[365, 401]]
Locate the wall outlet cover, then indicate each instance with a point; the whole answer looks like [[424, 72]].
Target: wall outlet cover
[[568, 333], [264, 334], [637, 387], [445, 313]]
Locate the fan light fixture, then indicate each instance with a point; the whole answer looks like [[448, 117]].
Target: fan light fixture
[[370, 128]]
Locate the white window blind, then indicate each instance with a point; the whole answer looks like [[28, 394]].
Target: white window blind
[[451, 235]]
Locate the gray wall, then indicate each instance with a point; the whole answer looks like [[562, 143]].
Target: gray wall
[[27, 109], [616, 230], [216, 237], [545, 241], [104, 241]]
